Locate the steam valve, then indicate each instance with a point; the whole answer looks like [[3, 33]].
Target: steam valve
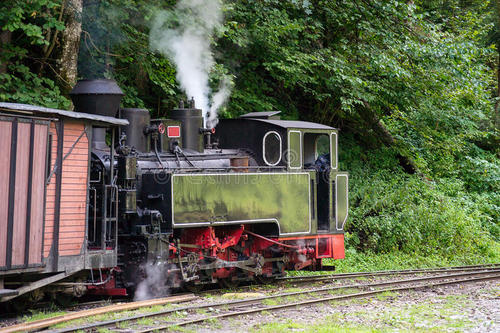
[[207, 130], [208, 133]]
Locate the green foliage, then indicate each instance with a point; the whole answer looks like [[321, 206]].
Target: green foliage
[[357, 261], [30, 18], [30, 24], [392, 211], [115, 44], [325, 60], [422, 71], [23, 86]]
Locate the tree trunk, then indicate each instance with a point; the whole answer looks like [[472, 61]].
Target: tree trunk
[[70, 43], [372, 120], [5, 37]]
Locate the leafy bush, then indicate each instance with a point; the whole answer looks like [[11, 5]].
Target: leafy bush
[[21, 85], [31, 25], [392, 211]]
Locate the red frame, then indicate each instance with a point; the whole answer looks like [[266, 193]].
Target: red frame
[[174, 131]]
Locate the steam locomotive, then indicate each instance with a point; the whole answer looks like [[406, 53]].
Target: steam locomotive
[[107, 201]]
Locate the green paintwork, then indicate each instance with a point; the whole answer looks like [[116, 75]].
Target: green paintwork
[[342, 205], [166, 139], [294, 155], [333, 150], [243, 196]]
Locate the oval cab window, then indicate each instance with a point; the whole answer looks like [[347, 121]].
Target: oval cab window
[[271, 149]]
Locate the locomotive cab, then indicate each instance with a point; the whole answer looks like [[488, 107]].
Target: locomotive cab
[[297, 147]]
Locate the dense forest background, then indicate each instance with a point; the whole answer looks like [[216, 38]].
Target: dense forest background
[[412, 85]]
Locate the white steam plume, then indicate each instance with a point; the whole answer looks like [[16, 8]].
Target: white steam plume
[[188, 46], [154, 284], [219, 98]]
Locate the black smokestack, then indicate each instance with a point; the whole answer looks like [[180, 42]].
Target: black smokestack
[[100, 96]]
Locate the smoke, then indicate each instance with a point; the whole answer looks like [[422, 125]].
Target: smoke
[[219, 98], [101, 32], [155, 282], [184, 35]]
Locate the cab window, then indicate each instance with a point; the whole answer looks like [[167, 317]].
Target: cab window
[[271, 148]]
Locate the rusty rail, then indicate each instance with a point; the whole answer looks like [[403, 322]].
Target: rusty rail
[[44, 323], [475, 276]]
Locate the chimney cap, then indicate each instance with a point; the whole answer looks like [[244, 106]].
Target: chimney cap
[[96, 87]]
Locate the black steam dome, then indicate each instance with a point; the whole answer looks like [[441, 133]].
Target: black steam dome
[[99, 96]]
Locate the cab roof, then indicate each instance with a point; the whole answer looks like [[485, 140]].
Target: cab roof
[[23, 108], [295, 124], [271, 117]]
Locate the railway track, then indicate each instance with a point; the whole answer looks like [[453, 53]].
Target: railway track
[[341, 276], [295, 280], [44, 323], [346, 276], [194, 314]]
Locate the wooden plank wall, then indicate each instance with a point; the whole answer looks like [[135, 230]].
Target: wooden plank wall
[[28, 181], [73, 192], [5, 143], [21, 193], [50, 196], [37, 193]]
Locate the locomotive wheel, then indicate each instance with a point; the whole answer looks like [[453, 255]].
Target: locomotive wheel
[[229, 283]]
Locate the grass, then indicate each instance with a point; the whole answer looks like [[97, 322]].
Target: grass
[[241, 295], [358, 262], [112, 316], [336, 292], [386, 295], [145, 322], [293, 290], [293, 298], [443, 313], [39, 315], [213, 322], [201, 311], [123, 324], [271, 301], [328, 326], [181, 329], [366, 262]]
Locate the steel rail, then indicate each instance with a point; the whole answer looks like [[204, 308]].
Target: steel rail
[[344, 276], [260, 299], [47, 322], [318, 300], [390, 272]]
